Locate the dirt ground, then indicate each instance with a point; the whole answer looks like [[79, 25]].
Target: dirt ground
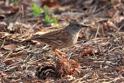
[[98, 55]]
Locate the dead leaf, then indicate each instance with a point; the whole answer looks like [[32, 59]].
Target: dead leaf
[[10, 47], [10, 10], [68, 67], [50, 3], [4, 34], [9, 61], [88, 50]]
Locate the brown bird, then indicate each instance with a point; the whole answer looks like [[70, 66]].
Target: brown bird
[[61, 38]]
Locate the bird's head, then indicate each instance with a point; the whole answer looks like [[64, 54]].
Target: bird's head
[[75, 26]]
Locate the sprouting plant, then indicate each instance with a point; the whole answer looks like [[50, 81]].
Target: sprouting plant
[[36, 10], [48, 17]]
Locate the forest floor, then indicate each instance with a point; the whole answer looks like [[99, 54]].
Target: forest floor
[[99, 51]]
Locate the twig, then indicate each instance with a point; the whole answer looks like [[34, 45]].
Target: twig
[[115, 48], [3, 43], [8, 55], [97, 31]]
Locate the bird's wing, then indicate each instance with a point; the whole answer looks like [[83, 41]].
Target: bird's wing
[[57, 37]]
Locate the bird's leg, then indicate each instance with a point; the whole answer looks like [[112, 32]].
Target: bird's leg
[[60, 54]]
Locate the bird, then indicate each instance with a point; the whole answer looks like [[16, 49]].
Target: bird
[[61, 38]]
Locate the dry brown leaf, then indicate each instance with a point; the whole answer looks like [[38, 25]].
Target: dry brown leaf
[[10, 10], [68, 67], [9, 61], [10, 47], [88, 50], [4, 34], [120, 69], [50, 3]]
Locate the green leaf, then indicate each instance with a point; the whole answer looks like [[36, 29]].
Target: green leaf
[[36, 10], [49, 19], [46, 10]]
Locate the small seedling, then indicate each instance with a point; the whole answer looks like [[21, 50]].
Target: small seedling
[[36, 10], [48, 17]]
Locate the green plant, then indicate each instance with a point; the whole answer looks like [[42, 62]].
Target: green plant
[[48, 17], [50, 20], [36, 10]]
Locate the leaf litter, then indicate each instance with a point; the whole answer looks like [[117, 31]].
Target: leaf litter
[[96, 58]]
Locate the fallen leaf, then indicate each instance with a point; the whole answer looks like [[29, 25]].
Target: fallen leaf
[[10, 47], [9, 61], [4, 34], [88, 50], [50, 3]]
